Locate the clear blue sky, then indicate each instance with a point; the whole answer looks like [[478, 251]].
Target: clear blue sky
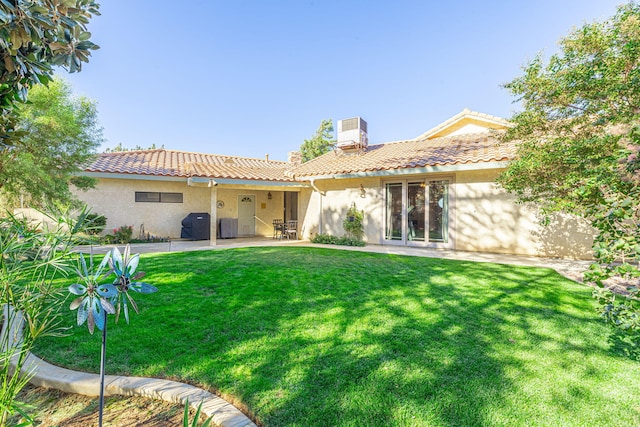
[[249, 77]]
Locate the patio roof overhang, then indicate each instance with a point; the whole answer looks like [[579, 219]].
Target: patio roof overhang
[[230, 182]]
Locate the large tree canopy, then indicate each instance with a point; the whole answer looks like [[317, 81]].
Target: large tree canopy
[[62, 133], [36, 35], [578, 142], [319, 143]]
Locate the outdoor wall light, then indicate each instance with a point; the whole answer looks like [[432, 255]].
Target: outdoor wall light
[[269, 196], [363, 193]]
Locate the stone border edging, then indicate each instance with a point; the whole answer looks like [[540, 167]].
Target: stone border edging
[[44, 374]]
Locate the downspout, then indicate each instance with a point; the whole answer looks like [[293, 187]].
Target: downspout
[[312, 182]]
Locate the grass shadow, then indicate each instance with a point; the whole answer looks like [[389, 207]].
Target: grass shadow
[[309, 336]]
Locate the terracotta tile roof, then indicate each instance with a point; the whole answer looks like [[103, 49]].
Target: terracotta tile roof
[[161, 162], [416, 153]]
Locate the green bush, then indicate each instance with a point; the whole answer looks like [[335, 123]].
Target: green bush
[[95, 224], [123, 234], [327, 239], [353, 223]]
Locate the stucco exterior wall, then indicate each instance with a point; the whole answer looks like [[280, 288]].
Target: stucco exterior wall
[[304, 204], [115, 199], [326, 212], [483, 217], [489, 220], [266, 209]]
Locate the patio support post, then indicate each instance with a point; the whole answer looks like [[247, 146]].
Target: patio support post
[[214, 215], [321, 194]]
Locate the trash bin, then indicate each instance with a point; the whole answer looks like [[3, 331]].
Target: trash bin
[[196, 226]]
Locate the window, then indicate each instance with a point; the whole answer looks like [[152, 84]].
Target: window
[[157, 197], [170, 197]]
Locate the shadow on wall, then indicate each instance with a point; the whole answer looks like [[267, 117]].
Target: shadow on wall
[[491, 221], [333, 217], [565, 236]]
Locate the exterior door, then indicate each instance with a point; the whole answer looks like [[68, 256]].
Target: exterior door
[[417, 213], [246, 215], [290, 205]]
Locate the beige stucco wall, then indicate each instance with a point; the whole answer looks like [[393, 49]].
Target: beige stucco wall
[[483, 217], [266, 209], [115, 199], [489, 220], [326, 212]]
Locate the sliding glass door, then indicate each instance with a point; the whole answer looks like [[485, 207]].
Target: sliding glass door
[[415, 219], [439, 211], [417, 212], [394, 212]]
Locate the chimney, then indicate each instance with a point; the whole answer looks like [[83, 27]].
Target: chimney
[[267, 156], [295, 157]]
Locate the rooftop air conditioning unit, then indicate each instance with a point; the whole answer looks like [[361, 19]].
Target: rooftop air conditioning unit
[[352, 134]]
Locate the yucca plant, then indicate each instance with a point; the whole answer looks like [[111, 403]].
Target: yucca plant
[[196, 418]]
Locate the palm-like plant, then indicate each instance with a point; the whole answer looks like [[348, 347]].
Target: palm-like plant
[[196, 418]]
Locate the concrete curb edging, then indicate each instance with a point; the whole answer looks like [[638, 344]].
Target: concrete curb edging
[[44, 374]]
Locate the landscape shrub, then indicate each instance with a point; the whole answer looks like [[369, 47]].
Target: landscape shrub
[[327, 239], [95, 224], [353, 223], [123, 234]]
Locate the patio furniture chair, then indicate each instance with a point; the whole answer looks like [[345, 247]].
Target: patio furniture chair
[[278, 228], [291, 230]]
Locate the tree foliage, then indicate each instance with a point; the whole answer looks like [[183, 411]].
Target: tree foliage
[[320, 143], [578, 142], [120, 148], [61, 134], [36, 35]]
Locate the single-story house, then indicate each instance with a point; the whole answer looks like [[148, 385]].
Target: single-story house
[[437, 190]]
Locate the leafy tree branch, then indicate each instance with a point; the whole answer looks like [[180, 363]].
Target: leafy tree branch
[[578, 144]]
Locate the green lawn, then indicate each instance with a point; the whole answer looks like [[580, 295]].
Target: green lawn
[[324, 337]]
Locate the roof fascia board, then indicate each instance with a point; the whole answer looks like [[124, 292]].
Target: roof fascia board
[[413, 171], [230, 181], [200, 180], [133, 176]]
